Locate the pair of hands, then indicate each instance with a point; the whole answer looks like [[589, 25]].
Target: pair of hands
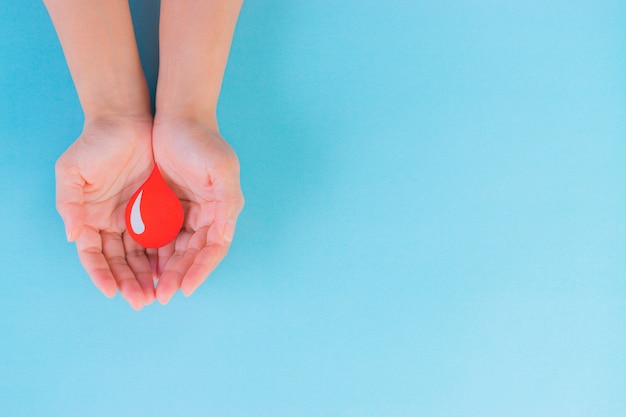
[[101, 170]]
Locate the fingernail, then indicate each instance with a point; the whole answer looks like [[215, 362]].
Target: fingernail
[[148, 300], [229, 230], [68, 235]]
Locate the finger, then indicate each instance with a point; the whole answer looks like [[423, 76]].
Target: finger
[[113, 250], [176, 267], [140, 265], [229, 203], [164, 255], [219, 236], [228, 192], [203, 265], [89, 246], [70, 199], [225, 215], [153, 258]]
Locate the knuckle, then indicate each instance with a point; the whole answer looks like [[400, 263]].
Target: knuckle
[[117, 260], [229, 164], [63, 169], [135, 253]]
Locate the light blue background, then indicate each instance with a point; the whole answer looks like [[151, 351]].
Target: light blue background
[[435, 222]]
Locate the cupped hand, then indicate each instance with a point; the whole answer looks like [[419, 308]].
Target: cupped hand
[[203, 171], [95, 178]]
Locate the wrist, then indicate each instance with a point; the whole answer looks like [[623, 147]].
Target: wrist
[[177, 101], [117, 99], [116, 115], [113, 116], [173, 115], [140, 124]]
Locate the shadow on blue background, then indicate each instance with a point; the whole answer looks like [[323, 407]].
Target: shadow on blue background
[[145, 15], [434, 222]]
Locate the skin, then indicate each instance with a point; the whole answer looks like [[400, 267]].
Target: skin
[[195, 38], [121, 141]]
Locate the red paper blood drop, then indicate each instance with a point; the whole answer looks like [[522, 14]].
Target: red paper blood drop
[[154, 215]]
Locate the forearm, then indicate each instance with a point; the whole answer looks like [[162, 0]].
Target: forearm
[[195, 39], [99, 44]]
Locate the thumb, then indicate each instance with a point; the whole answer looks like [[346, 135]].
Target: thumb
[[70, 200], [226, 213], [230, 202]]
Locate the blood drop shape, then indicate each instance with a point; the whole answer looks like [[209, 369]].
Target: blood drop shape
[[154, 215]]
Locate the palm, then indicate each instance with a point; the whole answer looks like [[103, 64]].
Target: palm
[[95, 178], [111, 176], [203, 171]]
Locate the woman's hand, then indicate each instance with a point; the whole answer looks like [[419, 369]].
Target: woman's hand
[[95, 178], [203, 171]]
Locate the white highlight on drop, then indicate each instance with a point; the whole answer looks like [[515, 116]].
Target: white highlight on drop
[[136, 222]]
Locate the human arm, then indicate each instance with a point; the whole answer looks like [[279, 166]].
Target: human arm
[[112, 156], [201, 167]]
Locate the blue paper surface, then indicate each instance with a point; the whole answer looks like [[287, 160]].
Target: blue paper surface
[[435, 222]]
